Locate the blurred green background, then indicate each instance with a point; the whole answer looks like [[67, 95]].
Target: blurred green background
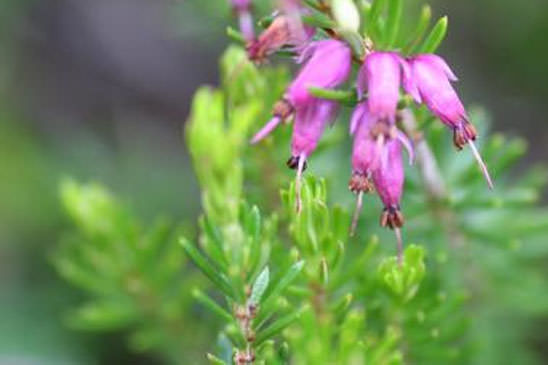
[[99, 90]]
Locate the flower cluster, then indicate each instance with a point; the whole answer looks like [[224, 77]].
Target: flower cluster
[[382, 78]]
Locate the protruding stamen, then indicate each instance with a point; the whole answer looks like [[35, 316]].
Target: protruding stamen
[[300, 169], [400, 246], [392, 218], [380, 157], [266, 130], [481, 163], [356, 216], [408, 144]]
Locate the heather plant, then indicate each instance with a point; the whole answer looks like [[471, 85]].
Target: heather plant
[[284, 269]]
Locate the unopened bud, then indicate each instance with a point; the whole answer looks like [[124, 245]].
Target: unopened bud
[[346, 14]]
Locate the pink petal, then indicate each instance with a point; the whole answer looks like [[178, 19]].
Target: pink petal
[[409, 84], [437, 61], [266, 130]]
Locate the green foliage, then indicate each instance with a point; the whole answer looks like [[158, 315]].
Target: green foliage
[[403, 280], [288, 287], [117, 261]]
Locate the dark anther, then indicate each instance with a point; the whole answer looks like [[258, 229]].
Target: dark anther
[[464, 133], [459, 140], [360, 183], [293, 163], [282, 109], [392, 217]]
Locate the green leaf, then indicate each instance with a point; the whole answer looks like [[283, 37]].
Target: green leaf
[[355, 41], [215, 360], [94, 209], [101, 316], [374, 13], [211, 305], [259, 287], [436, 36], [266, 20], [147, 338], [318, 20], [207, 268], [324, 272], [213, 243], [253, 223], [284, 353], [348, 97], [420, 30], [235, 35], [393, 21], [284, 281], [341, 306], [313, 4], [350, 331], [404, 280], [278, 326], [224, 348]]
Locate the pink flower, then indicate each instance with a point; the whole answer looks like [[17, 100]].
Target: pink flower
[[364, 157], [374, 140], [365, 149], [285, 30], [310, 123], [293, 10], [377, 156], [428, 80], [388, 179], [329, 66], [380, 76]]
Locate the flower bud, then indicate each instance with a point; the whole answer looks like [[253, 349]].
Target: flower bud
[[346, 14]]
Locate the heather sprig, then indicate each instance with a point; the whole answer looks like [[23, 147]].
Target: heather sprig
[[264, 282], [384, 75]]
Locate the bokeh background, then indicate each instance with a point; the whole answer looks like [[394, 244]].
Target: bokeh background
[[99, 90]]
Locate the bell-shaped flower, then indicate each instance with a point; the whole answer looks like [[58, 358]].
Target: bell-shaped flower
[[300, 33], [310, 123], [286, 29], [364, 157], [365, 150], [428, 81], [372, 138], [380, 77], [329, 64], [388, 179]]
